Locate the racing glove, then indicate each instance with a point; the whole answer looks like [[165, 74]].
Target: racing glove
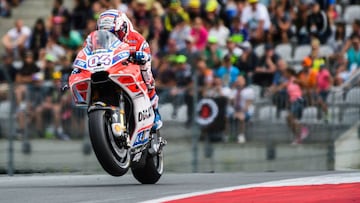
[[141, 57]]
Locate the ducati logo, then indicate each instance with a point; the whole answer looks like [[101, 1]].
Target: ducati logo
[[145, 114]]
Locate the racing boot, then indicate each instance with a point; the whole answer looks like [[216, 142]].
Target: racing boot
[[157, 120]]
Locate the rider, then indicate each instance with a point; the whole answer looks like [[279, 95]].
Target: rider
[[119, 24]]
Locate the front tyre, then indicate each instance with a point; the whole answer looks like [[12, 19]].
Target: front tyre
[[151, 172], [113, 158]]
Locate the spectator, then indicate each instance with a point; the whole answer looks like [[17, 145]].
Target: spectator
[[243, 102], [352, 58], [212, 53], [199, 33], [281, 26], [317, 24], [255, 17], [247, 62], [307, 80], [315, 55], [324, 83], [338, 38], [70, 39], [194, 8], [60, 16], [27, 75], [220, 32], [205, 80], [120, 5], [157, 35], [54, 49], [296, 107], [190, 51], [8, 69], [80, 15], [277, 90], [183, 76], [211, 12], [174, 15], [264, 73], [232, 49], [5, 9], [180, 32], [227, 72], [142, 17], [237, 29], [355, 26], [16, 39], [38, 37]]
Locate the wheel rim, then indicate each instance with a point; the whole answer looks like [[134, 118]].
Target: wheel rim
[[121, 154]]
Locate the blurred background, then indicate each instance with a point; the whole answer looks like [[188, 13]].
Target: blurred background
[[244, 85]]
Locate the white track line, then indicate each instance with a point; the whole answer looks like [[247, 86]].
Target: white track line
[[317, 180]]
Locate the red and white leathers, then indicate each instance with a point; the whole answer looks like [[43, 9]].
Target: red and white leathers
[[118, 23]]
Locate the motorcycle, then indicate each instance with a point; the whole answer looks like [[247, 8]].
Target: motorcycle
[[120, 113]]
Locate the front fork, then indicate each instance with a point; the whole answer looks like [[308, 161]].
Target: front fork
[[118, 125]]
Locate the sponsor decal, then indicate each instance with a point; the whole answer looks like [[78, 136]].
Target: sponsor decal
[[145, 114], [122, 55], [140, 138], [80, 63]]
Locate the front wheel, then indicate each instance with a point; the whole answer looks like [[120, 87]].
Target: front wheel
[[151, 172], [113, 158]]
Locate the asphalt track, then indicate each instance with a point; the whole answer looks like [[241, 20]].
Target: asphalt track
[[102, 188]]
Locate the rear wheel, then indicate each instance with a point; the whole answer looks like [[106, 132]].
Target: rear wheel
[[151, 172], [112, 156]]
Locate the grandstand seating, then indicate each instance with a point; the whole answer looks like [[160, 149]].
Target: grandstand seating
[[285, 51], [351, 13]]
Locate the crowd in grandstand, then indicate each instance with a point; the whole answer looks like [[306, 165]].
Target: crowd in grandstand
[[231, 44]]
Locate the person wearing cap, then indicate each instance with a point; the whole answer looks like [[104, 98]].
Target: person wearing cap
[[194, 8], [212, 53], [175, 12], [307, 79], [256, 19], [232, 49], [183, 77]]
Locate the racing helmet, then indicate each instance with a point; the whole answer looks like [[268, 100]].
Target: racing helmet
[[114, 21]]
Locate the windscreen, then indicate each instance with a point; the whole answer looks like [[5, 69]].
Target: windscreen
[[102, 40]]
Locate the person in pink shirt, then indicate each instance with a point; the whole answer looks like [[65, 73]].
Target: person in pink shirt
[[296, 101], [324, 82], [199, 33]]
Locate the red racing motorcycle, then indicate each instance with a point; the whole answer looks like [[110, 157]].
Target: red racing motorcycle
[[119, 110]]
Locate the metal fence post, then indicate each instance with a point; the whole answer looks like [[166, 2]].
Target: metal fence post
[[11, 133], [195, 137]]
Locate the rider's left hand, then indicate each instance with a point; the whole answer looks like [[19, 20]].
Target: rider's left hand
[[141, 57]]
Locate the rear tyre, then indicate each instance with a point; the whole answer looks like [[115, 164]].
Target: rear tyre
[[151, 172], [113, 158]]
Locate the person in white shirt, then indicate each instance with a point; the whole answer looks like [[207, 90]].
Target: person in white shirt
[[16, 40], [256, 19], [242, 99]]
